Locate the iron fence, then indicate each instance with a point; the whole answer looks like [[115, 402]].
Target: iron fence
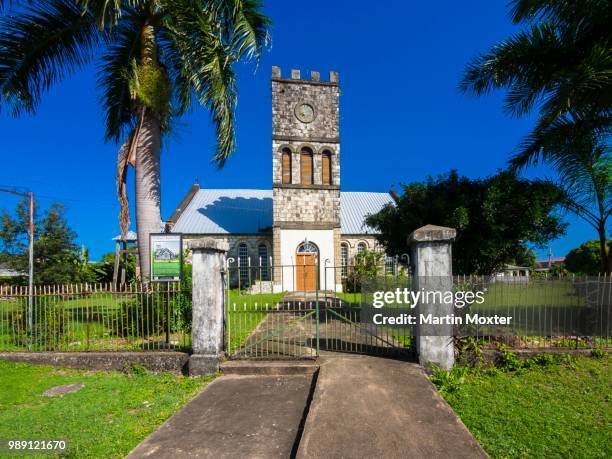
[[95, 317], [303, 310], [278, 316], [547, 311], [276, 319]]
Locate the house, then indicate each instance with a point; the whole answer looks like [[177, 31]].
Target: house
[[546, 265], [305, 231], [7, 272], [513, 273]]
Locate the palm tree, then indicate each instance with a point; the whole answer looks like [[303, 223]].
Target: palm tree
[[561, 65], [156, 58]]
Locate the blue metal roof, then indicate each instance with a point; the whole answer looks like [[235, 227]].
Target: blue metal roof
[[224, 211], [227, 211], [355, 206]]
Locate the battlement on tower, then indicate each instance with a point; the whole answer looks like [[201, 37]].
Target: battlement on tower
[[296, 75]]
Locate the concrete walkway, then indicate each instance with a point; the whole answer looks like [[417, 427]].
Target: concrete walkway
[[234, 417], [366, 407], [361, 407]]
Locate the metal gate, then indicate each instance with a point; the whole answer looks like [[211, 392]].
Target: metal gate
[[266, 317]]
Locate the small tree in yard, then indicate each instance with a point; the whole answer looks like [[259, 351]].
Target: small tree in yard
[[57, 259], [585, 259], [366, 264], [495, 218]]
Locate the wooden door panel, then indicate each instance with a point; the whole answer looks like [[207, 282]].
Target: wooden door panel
[[306, 272]]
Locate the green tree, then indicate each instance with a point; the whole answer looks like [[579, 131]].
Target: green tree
[[367, 264], [495, 217], [585, 259], [525, 256], [57, 259], [108, 266], [156, 57], [560, 65]]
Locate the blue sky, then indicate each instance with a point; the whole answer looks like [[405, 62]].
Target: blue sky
[[402, 117]]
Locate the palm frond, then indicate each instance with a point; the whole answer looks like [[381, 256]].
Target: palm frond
[[249, 28], [123, 161], [116, 66], [579, 151], [565, 134], [526, 63], [107, 13], [200, 46], [39, 47], [562, 12]]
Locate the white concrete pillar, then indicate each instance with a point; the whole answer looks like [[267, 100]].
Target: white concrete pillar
[[208, 300], [431, 251]]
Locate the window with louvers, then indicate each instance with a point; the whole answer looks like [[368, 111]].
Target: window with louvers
[[306, 168], [286, 165], [326, 168]]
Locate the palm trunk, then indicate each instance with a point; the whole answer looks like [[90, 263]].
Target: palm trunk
[[606, 258], [147, 188]]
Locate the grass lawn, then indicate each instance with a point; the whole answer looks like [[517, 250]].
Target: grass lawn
[[107, 418], [245, 312], [552, 411]]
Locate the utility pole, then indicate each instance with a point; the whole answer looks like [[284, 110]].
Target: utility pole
[[550, 254], [29, 195]]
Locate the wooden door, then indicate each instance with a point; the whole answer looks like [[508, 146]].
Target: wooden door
[[306, 272]]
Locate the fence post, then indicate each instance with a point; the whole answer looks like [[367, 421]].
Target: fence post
[[208, 299], [431, 248]]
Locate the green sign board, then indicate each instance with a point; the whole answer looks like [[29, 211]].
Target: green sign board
[[166, 257]]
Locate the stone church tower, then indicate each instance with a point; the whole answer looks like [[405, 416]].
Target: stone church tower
[[306, 180]]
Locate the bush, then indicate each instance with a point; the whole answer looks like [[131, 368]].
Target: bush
[[139, 318], [448, 381], [470, 351], [367, 264], [181, 305], [507, 360]]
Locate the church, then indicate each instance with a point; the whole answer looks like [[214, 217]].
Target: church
[[304, 232]]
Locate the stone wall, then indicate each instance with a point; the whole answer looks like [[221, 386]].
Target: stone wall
[[252, 241], [296, 147], [322, 96], [294, 206], [353, 240]]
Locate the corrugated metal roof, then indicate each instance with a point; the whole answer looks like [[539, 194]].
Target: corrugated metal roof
[[225, 211], [355, 206], [130, 236]]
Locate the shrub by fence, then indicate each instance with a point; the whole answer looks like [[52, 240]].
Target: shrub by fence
[[95, 317]]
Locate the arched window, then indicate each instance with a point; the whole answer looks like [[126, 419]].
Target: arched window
[[361, 247], [243, 262], [262, 252], [326, 168], [306, 169], [344, 258], [307, 247], [286, 165]]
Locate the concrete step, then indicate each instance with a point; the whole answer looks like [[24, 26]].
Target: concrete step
[[271, 368]]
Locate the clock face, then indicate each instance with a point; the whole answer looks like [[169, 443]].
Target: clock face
[[305, 112]]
